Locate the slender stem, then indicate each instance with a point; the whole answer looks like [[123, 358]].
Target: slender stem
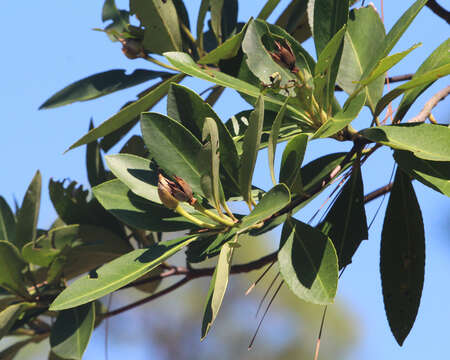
[[195, 220], [188, 33], [222, 220], [439, 10], [160, 63], [430, 104]]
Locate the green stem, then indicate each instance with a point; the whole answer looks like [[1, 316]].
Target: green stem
[[195, 220], [223, 220], [160, 63]]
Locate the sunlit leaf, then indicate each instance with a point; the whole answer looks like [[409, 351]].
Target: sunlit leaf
[[9, 316], [273, 139], [7, 222], [291, 162], [11, 269]]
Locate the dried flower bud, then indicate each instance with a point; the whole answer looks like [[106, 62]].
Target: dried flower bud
[[171, 192], [285, 56], [132, 49]]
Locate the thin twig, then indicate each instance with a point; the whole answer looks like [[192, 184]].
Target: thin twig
[[439, 10], [430, 104], [316, 352], [261, 302], [252, 286]]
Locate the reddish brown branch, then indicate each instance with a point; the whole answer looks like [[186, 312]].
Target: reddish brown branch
[[430, 104], [439, 10]]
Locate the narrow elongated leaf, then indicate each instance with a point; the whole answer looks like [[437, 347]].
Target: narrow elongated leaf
[[184, 63], [268, 8], [273, 139], [426, 141], [210, 180], [364, 37], [295, 20], [291, 163], [344, 117], [402, 257], [7, 222], [117, 273], [72, 330], [94, 163], [181, 148], [128, 113], [217, 287], [346, 223], [11, 269], [418, 82], [216, 18], [227, 50], [252, 138], [28, 213], [9, 316], [100, 84], [437, 58], [162, 28], [329, 17], [120, 19], [136, 211], [435, 174], [10, 352], [204, 6], [308, 263]]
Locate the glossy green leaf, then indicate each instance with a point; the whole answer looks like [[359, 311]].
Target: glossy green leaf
[[136, 211], [418, 84], [273, 139], [204, 6], [291, 162], [342, 118], [326, 70], [100, 84], [72, 330], [402, 257], [227, 50], [9, 316], [217, 288], [268, 8], [27, 216], [7, 222], [210, 180], [435, 174], [426, 141], [162, 27], [184, 63], [346, 222], [272, 201], [11, 269], [128, 113], [117, 273], [181, 148], [308, 263], [329, 17], [437, 58], [94, 163], [216, 18], [252, 138], [364, 38]]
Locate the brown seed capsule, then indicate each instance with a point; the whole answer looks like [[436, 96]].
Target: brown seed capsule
[[165, 192], [132, 49], [285, 56], [171, 192]]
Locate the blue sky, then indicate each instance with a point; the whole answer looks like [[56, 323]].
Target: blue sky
[[48, 45]]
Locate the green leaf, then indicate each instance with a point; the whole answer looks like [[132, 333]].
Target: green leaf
[[162, 27], [11, 269], [181, 148], [204, 6], [216, 18], [437, 58], [346, 223], [342, 118], [295, 20], [272, 201], [128, 113], [402, 257], [184, 63], [273, 139], [117, 273], [9, 316], [426, 141], [291, 162], [329, 17], [364, 38], [435, 174], [326, 70], [227, 50], [27, 216], [136, 211], [268, 9], [217, 287], [10, 352], [72, 330], [94, 163], [308, 263], [100, 84], [252, 138], [420, 83], [120, 19], [7, 222]]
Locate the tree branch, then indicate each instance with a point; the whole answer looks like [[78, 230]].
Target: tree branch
[[439, 10], [429, 105]]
